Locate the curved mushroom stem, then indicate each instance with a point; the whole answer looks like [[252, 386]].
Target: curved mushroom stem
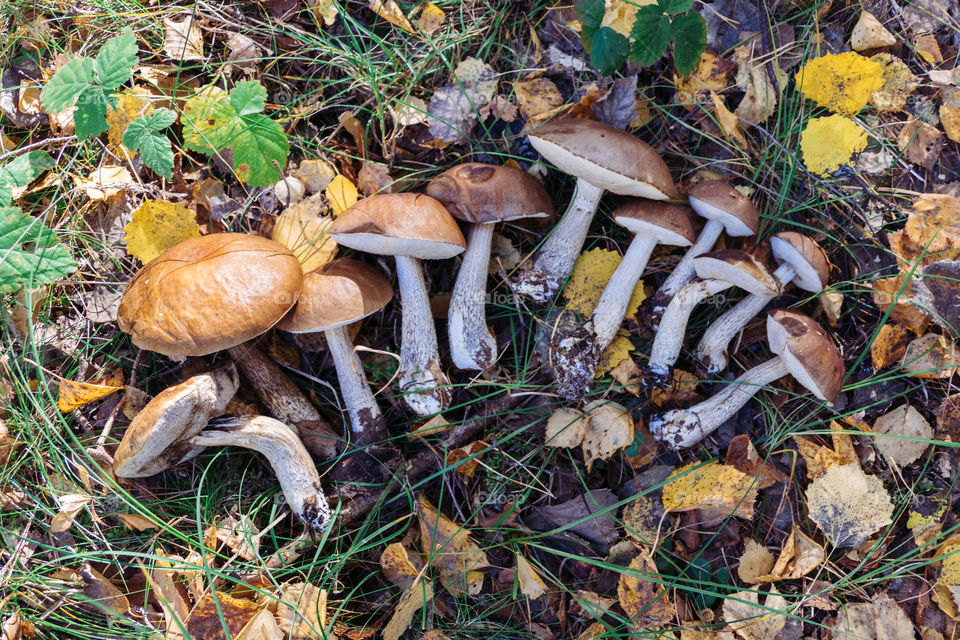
[[471, 344], [366, 422], [669, 339], [554, 261], [684, 272], [685, 427], [422, 382], [712, 351], [289, 458]]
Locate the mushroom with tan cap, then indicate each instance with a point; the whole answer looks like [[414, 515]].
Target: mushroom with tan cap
[[716, 271], [725, 209], [601, 158], [333, 297], [803, 349], [577, 355], [801, 261], [482, 195], [411, 227]]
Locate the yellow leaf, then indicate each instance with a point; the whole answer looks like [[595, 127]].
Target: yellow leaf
[[615, 353], [303, 230], [537, 96], [324, 10], [530, 582], [841, 83], [302, 611], [889, 345], [588, 279], [713, 486], [755, 562], [620, 14], [396, 564], [712, 75], [76, 394], [413, 599], [431, 18], [342, 194], [158, 225], [829, 142], [136, 522], [728, 121], [898, 84], [642, 597], [392, 13], [130, 106], [449, 548], [105, 182], [565, 428]]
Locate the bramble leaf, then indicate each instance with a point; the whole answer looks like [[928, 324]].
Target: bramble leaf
[[21, 171], [208, 120], [248, 97], [63, 89], [608, 50], [591, 16], [651, 35], [29, 252], [90, 118], [115, 61], [143, 135], [260, 150], [689, 42], [673, 7]]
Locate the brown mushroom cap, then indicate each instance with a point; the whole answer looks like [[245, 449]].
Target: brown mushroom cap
[[807, 351], [210, 293], [739, 268], [338, 293], [668, 223], [805, 256], [486, 193], [718, 200], [399, 224], [604, 156]]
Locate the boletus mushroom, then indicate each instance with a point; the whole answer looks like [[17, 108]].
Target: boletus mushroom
[[801, 261], [601, 158], [411, 227], [482, 195], [802, 349]]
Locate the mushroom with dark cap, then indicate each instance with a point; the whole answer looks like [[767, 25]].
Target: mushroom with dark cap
[[577, 354], [482, 195], [601, 158], [410, 227], [725, 208], [801, 261], [803, 349]]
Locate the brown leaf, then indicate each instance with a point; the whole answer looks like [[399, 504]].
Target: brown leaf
[[948, 418], [610, 429], [645, 601], [742, 455], [450, 549], [470, 457], [183, 39], [889, 345], [907, 427], [628, 374], [932, 356], [749, 620], [592, 511], [302, 612], [920, 143], [374, 178], [681, 392], [102, 592], [397, 566], [204, 622], [137, 522], [528, 579], [820, 458], [887, 292], [537, 96], [390, 11], [848, 505], [755, 562], [800, 555]]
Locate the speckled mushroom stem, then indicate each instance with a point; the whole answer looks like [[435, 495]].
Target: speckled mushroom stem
[[554, 261], [712, 352], [366, 421], [685, 427], [684, 272], [422, 382], [471, 344], [285, 452]]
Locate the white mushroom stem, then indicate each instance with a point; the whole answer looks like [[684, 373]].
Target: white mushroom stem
[[421, 380], [554, 261], [685, 427], [608, 316], [471, 344], [684, 272], [366, 422], [713, 348], [291, 463], [673, 325]]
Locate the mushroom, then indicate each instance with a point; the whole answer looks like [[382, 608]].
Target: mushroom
[[411, 227], [601, 158], [725, 208], [803, 349], [333, 297], [482, 195], [717, 271], [577, 354], [801, 261]]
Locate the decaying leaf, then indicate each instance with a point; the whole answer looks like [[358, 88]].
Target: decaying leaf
[[70, 505], [450, 549], [728, 121], [158, 225], [920, 143], [830, 142], [183, 39], [590, 276], [950, 119], [800, 555], [882, 619], [742, 455], [932, 232], [72, 395], [931, 356], [842, 82], [848, 505], [610, 429], [756, 561], [712, 75], [102, 593], [537, 97], [205, 618], [643, 599], [390, 11], [899, 292], [749, 620], [302, 229], [869, 33], [905, 429], [262, 626], [466, 459], [431, 18], [819, 458], [898, 84], [616, 352], [680, 392], [528, 579], [302, 612], [106, 182], [396, 565], [342, 194], [713, 486], [374, 178], [889, 345], [316, 174], [591, 511], [644, 519], [325, 10], [453, 108], [132, 103], [416, 596], [137, 522], [760, 96], [565, 428]]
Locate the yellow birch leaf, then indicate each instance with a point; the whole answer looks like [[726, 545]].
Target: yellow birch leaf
[[303, 230], [392, 13], [714, 486], [396, 565], [615, 353], [610, 429], [413, 599], [131, 104], [842, 82], [588, 279], [712, 74], [342, 194], [431, 18], [642, 597], [158, 225], [530, 582], [830, 142], [76, 394]]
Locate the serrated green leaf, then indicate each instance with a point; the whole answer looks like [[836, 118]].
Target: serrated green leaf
[[90, 118], [673, 7], [113, 65], [651, 35], [248, 97], [66, 85], [209, 121], [29, 252], [160, 119], [591, 16], [689, 42], [21, 171], [259, 149], [608, 51], [143, 135]]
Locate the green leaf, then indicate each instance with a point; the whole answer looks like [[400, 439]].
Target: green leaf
[[114, 63], [29, 252], [591, 16], [143, 135], [650, 34], [608, 51], [673, 7], [259, 149], [90, 118], [161, 118], [248, 97], [21, 171], [63, 89], [689, 42], [209, 121]]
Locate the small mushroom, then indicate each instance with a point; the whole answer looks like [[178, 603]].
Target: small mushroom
[[801, 261], [411, 227], [803, 349], [335, 296], [725, 208], [482, 195], [601, 158], [577, 354], [717, 271]]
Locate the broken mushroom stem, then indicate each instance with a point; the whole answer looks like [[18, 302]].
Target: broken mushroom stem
[[285, 452], [365, 418], [471, 344]]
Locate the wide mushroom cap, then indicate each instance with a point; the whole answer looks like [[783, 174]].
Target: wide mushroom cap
[[399, 224], [338, 293], [485, 193], [807, 351], [739, 268], [718, 200], [210, 293], [806, 257], [668, 223], [604, 156]]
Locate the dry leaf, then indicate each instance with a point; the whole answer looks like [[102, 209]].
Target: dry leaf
[[302, 229], [894, 291], [629, 375], [920, 143], [898, 84], [800, 555], [374, 178], [681, 392], [158, 225], [537, 96], [262, 626], [756, 561], [590, 277], [644, 519], [831, 142], [882, 619], [302, 612], [105, 182], [760, 97], [137, 522], [131, 104], [342, 194], [931, 356], [70, 505], [316, 174], [102, 593], [325, 10], [869, 33], [390, 11], [450, 549], [205, 618], [396, 565], [591, 511], [183, 40], [729, 122], [528, 579], [466, 460], [932, 232], [713, 486], [908, 429], [616, 352], [927, 47], [453, 108], [749, 620], [431, 18], [565, 428], [742, 455], [610, 429], [711, 76], [841, 83], [643, 599], [950, 119], [410, 111], [819, 458], [848, 505], [72, 394], [504, 255], [592, 604], [416, 596], [889, 345], [831, 302]]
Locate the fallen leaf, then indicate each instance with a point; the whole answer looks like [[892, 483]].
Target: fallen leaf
[[431, 18], [948, 418], [240, 535], [932, 232], [183, 40], [800, 555], [205, 622], [70, 505], [712, 75], [450, 549], [869, 33], [396, 565], [760, 97], [158, 225], [414, 598], [926, 46], [908, 429], [537, 96], [243, 51], [756, 561], [302, 229], [889, 345], [616, 352], [132, 103], [842, 82], [591, 511], [374, 178], [610, 429], [105, 182], [410, 111], [453, 108], [931, 356], [528, 579], [713, 486], [920, 143], [325, 10], [728, 121], [819, 458], [72, 394], [8, 444], [643, 599], [102, 593], [590, 277], [830, 142], [680, 392], [342, 194], [882, 619], [644, 519], [302, 611], [618, 106], [504, 255], [898, 84], [629, 375], [592, 604], [743, 456], [390, 11], [262, 626], [316, 174], [898, 292], [848, 505], [749, 620], [466, 460], [137, 522]]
